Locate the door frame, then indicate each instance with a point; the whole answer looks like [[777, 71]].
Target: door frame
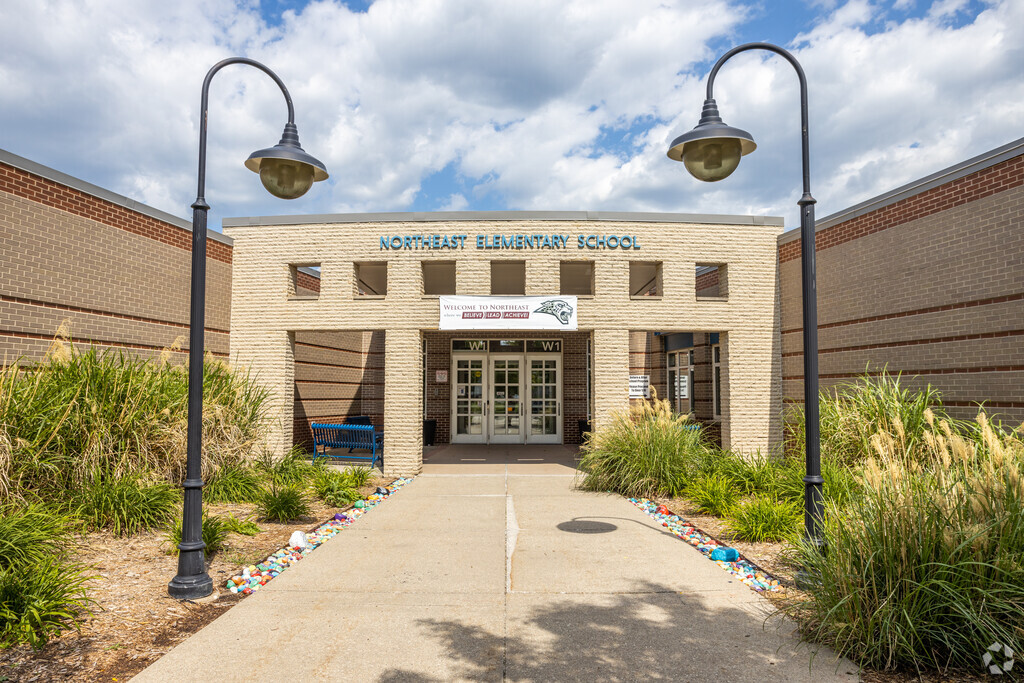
[[555, 438], [455, 437], [519, 438], [487, 359]]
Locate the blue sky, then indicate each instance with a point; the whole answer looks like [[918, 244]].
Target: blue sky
[[423, 105]]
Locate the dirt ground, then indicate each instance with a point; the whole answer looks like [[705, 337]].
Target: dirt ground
[[134, 620]]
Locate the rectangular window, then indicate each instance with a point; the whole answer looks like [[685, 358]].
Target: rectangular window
[[680, 381], [304, 281], [712, 281], [716, 353], [371, 278], [590, 382], [645, 278], [576, 278], [438, 277], [508, 278]]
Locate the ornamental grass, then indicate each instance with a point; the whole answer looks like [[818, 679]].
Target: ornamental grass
[[644, 451], [79, 413], [925, 567]]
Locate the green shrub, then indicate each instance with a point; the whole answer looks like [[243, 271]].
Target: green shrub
[[335, 488], [358, 476], [765, 519], [643, 452], [246, 527], [215, 532], [235, 483], [125, 506], [294, 469], [32, 533], [713, 494], [840, 480], [79, 412], [749, 475], [38, 600], [283, 504], [924, 567]]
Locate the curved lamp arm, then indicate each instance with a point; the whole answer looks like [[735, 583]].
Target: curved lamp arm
[[807, 198], [204, 106]]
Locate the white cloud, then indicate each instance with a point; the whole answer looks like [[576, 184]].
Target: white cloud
[[456, 202], [532, 104]]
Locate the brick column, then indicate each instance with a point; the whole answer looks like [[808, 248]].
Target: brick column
[[269, 355], [611, 374], [751, 392], [403, 403]]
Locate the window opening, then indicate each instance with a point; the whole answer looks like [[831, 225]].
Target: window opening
[[576, 278], [371, 278], [508, 278], [645, 278], [712, 281], [716, 352], [304, 281], [438, 277]]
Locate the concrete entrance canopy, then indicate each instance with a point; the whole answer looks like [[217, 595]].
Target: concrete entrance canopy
[[372, 270]]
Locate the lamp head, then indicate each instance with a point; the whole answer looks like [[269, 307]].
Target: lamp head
[[285, 169], [712, 150]]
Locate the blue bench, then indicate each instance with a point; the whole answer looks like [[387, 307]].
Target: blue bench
[[350, 436]]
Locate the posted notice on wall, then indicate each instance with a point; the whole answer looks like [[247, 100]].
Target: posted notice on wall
[[684, 385], [508, 313], [639, 386]]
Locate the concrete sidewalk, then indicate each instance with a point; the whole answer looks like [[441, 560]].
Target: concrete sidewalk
[[508, 574]]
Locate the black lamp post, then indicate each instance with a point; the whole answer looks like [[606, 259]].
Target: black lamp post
[[287, 172], [711, 152]]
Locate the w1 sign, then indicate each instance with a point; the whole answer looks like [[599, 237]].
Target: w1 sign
[[508, 313]]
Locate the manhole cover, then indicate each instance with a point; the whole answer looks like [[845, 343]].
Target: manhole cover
[[587, 527]]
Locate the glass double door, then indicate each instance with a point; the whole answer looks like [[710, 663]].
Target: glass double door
[[506, 398]]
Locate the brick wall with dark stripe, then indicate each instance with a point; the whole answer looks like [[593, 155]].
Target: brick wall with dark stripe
[[337, 375], [931, 286], [120, 278]]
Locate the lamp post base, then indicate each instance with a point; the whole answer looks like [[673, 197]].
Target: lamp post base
[[190, 587], [806, 580]]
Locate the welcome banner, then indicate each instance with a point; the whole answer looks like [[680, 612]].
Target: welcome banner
[[508, 313]]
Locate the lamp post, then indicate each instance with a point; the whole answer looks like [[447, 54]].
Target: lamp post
[[712, 151], [286, 171]]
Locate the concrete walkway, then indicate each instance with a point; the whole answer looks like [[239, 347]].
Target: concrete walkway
[[490, 567]]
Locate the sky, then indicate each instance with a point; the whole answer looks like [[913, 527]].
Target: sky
[[429, 105]]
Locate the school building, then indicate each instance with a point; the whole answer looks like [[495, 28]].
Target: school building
[[532, 327]]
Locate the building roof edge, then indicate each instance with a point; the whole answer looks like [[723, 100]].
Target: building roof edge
[[88, 188], [955, 172], [438, 216]]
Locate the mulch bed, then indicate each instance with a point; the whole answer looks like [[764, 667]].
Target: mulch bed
[[135, 622]]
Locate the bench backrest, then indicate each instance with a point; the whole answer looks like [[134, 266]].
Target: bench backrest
[[343, 435]]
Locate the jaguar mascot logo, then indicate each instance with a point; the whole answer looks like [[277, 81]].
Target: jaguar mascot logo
[[557, 308]]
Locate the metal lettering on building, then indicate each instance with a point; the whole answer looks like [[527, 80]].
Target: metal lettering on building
[[517, 242]]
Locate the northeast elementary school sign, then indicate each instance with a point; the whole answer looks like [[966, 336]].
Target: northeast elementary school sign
[[518, 241]]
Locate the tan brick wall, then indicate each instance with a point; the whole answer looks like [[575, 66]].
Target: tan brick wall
[[263, 316], [937, 295], [120, 277]]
